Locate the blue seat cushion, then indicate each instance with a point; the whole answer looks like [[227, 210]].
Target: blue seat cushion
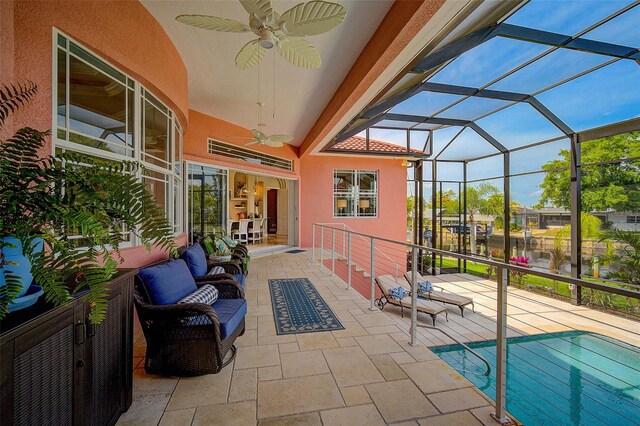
[[231, 312], [167, 283], [240, 278], [196, 260]]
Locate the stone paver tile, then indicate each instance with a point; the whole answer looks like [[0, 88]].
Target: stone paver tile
[[456, 400], [251, 322], [435, 376], [350, 330], [257, 356], [269, 373], [314, 341], [419, 353], [351, 416], [408, 423], [288, 347], [249, 338], [244, 385], [346, 341], [238, 413], [149, 384], [278, 398], [483, 414], [178, 417], [309, 363], [383, 329], [460, 418], [145, 410], [400, 400], [351, 366], [388, 367], [378, 344], [374, 319], [275, 340], [207, 389], [355, 395], [309, 419], [402, 358]]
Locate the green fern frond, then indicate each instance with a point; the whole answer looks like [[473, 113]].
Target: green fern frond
[[15, 96]]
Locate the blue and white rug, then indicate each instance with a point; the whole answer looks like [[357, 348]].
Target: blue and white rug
[[299, 308]]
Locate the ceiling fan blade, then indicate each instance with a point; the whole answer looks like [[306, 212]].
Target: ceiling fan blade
[[299, 52], [213, 23], [274, 144], [258, 134], [253, 142], [250, 55], [241, 137], [261, 8], [312, 18], [279, 138]]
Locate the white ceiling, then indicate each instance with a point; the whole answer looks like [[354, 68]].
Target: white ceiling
[[218, 88]]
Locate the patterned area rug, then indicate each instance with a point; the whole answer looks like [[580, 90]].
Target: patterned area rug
[[299, 308]]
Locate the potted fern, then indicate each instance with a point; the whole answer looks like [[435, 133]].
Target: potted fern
[[60, 201]]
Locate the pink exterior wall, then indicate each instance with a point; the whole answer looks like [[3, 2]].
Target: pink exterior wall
[[202, 127], [316, 200], [122, 32]]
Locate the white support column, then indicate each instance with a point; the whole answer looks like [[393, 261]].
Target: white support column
[[313, 242], [414, 296], [501, 347], [349, 261], [333, 251], [373, 275]]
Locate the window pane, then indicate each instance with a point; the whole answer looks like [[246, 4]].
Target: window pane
[[98, 105], [157, 184], [608, 95], [62, 88], [367, 181], [344, 205], [519, 125], [394, 139], [485, 168], [552, 154], [442, 137], [417, 141], [367, 206], [570, 17], [622, 30], [450, 171], [488, 61], [472, 108], [425, 103], [466, 146], [344, 180], [177, 150], [156, 135], [207, 203]]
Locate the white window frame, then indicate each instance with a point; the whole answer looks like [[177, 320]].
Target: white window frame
[[355, 194], [174, 209]]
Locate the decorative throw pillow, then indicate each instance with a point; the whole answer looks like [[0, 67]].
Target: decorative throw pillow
[[216, 270], [398, 293], [208, 245], [206, 294], [229, 242]]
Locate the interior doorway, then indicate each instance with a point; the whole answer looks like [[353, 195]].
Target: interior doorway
[[272, 211]]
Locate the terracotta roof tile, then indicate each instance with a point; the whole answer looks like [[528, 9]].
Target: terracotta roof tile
[[358, 143]]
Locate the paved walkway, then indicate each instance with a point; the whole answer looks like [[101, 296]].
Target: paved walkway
[[366, 374]]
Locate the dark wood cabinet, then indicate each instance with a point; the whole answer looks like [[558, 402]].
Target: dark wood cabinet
[[57, 368]]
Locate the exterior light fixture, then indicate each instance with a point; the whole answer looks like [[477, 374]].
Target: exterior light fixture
[[405, 163]]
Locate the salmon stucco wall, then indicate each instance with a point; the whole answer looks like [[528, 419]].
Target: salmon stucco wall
[[316, 197], [122, 32], [203, 126]]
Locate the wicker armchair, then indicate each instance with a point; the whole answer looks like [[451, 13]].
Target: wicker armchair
[[190, 339], [200, 265]]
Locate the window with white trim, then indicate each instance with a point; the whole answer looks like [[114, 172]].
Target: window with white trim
[[355, 193], [102, 112]]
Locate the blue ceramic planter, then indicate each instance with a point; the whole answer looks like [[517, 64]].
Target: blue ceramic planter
[[19, 264]]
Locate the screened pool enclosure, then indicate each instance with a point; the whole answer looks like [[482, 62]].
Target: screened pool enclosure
[[523, 135]]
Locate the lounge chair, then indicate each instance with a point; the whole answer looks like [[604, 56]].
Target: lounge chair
[[442, 296], [387, 282]]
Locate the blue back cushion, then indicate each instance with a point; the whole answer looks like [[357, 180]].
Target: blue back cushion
[[167, 283], [196, 260]]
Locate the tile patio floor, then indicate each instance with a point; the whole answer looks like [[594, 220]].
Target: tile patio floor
[[366, 374]]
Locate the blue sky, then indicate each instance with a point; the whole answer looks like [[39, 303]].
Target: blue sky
[[606, 95]]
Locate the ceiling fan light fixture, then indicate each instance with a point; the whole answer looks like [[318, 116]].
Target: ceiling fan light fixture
[[267, 40]]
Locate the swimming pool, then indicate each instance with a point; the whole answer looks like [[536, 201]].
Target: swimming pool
[[566, 378]]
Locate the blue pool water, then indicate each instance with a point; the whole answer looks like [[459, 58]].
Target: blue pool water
[[567, 378]]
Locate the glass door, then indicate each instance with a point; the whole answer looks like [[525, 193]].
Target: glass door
[[207, 204]]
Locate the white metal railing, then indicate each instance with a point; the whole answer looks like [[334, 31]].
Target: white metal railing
[[501, 268]]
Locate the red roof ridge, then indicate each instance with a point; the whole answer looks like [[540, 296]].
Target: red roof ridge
[[359, 143]]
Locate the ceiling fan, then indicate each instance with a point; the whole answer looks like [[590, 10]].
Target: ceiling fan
[[284, 31], [260, 138]]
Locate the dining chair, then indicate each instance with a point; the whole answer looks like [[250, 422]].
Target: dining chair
[[242, 233], [263, 228], [255, 234]]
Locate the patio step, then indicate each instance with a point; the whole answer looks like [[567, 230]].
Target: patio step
[[359, 268], [366, 274]]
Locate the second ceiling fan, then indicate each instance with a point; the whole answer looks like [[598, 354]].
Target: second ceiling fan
[[284, 31]]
